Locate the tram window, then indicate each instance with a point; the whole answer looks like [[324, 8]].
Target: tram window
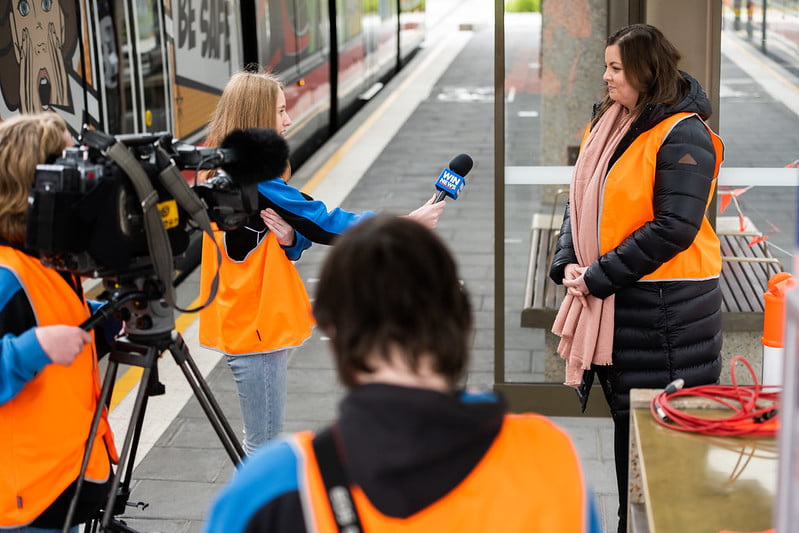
[[144, 88], [351, 23], [110, 68], [125, 101], [152, 65]]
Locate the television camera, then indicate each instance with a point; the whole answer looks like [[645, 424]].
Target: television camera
[[118, 208], [87, 208]]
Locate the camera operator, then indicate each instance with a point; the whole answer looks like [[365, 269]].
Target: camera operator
[[49, 380]]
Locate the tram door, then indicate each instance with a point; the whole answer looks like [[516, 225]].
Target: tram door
[[141, 103]]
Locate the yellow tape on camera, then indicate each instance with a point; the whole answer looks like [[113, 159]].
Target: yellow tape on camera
[[169, 213]]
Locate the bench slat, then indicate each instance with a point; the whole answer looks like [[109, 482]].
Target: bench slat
[[532, 293], [746, 269], [543, 295], [734, 280]]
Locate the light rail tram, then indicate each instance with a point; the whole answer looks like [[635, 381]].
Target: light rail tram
[[136, 66]]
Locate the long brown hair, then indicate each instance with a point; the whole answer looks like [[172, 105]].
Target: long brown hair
[[650, 67], [25, 141]]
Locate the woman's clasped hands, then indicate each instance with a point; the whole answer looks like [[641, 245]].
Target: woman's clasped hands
[[574, 280]]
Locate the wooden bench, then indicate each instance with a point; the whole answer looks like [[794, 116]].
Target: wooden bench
[[542, 297], [744, 278], [745, 271]]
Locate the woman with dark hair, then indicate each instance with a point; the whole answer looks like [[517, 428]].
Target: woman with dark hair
[[636, 251], [414, 451]]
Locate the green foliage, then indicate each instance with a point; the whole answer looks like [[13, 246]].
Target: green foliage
[[522, 6], [406, 6]]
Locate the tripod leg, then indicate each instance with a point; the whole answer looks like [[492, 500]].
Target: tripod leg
[[115, 525], [150, 360], [180, 352], [152, 385], [105, 395]]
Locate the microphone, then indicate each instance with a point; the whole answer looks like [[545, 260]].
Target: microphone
[[191, 157], [259, 154], [246, 157], [452, 179]]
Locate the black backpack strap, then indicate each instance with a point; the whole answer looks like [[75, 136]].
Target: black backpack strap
[[336, 481]]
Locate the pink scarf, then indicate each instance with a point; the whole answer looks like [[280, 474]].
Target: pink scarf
[[587, 333]]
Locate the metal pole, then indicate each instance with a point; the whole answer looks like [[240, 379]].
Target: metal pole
[[499, 192], [763, 28]]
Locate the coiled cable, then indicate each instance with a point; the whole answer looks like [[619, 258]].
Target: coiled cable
[[754, 408]]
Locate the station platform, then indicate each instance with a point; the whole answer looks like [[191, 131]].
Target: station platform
[[387, 160]]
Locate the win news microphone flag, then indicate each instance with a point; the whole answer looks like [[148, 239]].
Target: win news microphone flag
[[452, 179]]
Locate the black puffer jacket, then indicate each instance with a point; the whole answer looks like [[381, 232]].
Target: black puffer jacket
[[668, 329]]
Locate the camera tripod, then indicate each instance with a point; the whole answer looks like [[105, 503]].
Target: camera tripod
[[148, 331]]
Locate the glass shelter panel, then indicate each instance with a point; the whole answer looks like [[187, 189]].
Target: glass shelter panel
[[759, 114], [553, 61], [553, 70]]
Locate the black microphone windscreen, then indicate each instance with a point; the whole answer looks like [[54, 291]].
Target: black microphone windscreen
[[259, 154], [461, 164]]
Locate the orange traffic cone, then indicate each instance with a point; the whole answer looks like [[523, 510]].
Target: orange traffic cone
[[774, 327]]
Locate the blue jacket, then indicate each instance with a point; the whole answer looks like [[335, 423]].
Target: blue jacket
[[21, 355], [309, 217], [311, 220]]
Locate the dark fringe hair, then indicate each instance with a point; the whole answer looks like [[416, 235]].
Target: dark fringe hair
[[390, 283]]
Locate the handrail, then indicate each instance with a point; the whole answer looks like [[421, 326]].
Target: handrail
[[728, 176]]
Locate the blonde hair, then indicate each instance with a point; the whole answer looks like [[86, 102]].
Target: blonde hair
[[25, 141], [248, 101]]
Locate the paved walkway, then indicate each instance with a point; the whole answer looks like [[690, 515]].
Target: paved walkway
[[182, 465]]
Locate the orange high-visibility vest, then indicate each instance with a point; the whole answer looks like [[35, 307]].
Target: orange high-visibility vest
[[261, 304], [627, 203], [530, 479], [45, 426]]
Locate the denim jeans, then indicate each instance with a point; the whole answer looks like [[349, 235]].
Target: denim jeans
[[261, 384]]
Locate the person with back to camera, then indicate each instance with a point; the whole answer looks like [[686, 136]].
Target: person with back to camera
[[643, 304], [49, 380], [261, 310], [417, 452]]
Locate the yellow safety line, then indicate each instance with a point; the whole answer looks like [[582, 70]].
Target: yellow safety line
[[125, 384], [132, 375]]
